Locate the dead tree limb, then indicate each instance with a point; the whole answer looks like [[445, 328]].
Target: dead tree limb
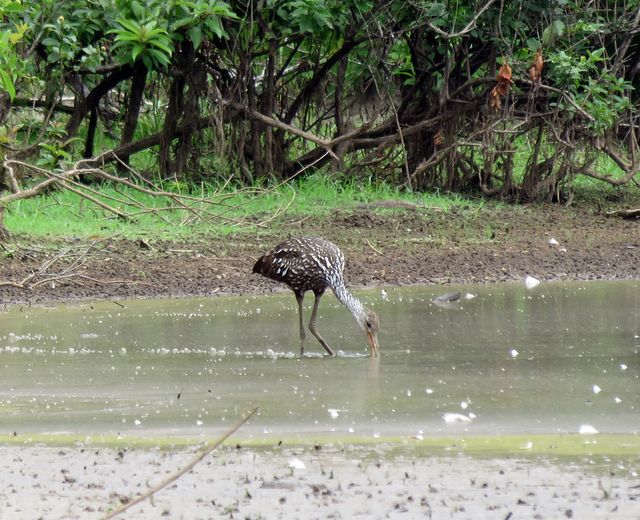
[[625, 213], [46, 274]]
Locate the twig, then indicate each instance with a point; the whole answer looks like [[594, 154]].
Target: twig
[[469, 27], [71, 272], [207, 449], [371, 246]]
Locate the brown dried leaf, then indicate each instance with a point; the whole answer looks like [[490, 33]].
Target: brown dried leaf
[[502, 87], [535, 71]]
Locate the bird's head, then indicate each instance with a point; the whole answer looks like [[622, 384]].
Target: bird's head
[[371, 325]]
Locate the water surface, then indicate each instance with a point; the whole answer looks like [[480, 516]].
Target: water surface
[[509, 361]]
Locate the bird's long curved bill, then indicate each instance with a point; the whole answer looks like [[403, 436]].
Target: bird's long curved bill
[[372, 339]]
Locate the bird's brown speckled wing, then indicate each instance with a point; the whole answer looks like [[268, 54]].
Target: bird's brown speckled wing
[[304, 264]]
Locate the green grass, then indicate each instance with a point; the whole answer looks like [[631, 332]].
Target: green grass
[[66, 214]]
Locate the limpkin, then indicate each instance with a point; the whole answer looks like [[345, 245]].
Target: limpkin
[[313, 264]]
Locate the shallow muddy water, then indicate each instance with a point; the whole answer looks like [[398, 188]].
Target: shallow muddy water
[[554, 359]]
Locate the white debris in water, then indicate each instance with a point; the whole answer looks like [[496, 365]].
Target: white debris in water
[[617, 400], [350, 430], [334, 413], [514, 353], [596, 389], [123, 351], [419, 436], [587, 429], [137, 422], [384, 295], [464, 405], [469, 296], [409, 393], [623, 366], [553, 242], [296, 463], [528, 446], [89, 335], [531, 282], [199, 423], [429, 391], [453, 418]]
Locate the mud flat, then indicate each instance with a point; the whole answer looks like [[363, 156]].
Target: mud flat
[[306, 483]]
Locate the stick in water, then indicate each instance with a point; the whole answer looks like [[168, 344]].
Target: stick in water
[[207, 449]]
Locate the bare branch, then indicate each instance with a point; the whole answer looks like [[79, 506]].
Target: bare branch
[[468, 28], [46, 274], [206, 451]]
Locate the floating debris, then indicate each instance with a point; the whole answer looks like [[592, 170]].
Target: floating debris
[[453, 418], [447, 298], [514, 353], [531, 282], [469, 296], [384, 295], [296, 463], [587, 429], [553, 242], [335, 412], [596, 389]]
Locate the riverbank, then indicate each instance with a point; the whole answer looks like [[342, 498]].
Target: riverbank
[[384, 247]]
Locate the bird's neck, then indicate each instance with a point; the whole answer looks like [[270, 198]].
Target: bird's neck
[[348, 300]]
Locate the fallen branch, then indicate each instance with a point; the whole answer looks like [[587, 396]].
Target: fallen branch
[[128, 208], [43, 274], [625, 213], [205, 451], [372, 247]]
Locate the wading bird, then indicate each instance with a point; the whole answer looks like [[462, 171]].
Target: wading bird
[[313, 264]]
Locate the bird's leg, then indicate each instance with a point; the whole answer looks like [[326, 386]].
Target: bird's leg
[[299, 298], [312, 326]]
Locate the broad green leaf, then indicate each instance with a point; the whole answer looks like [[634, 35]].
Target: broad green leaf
[[7, 83], [195, 35]]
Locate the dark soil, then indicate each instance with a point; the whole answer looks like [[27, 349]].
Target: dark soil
[[384, 247]]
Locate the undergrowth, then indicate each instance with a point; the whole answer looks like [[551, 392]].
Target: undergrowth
[[66, 214]]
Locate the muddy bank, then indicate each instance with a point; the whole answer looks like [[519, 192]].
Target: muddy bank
[[391, 247], [87, 483]]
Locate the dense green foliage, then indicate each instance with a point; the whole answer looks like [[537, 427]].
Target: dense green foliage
[[510, 99]]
